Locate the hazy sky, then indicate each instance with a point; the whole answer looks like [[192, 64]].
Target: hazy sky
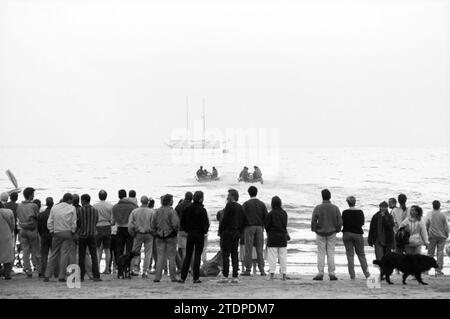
[[104, 72]]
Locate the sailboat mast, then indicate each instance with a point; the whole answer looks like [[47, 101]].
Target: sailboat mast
[[204, 123], [187, 118]]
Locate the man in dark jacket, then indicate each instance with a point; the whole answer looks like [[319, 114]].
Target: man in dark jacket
[[230, 229], [255, 215], [120, 214], [182, 234], [381, 232], [196, 223]]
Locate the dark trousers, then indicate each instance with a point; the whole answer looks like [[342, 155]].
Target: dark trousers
[[124, 241], [194, 240], [113, 250], [83, 243], [229, 246], [46, 245], [254, 237]]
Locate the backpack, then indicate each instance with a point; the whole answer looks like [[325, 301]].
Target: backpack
[[402, 237]]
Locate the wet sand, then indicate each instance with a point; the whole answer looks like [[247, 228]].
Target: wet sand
[[255, 287]]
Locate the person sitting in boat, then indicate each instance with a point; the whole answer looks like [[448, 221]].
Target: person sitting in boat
[[244, 176], [206, 173], [257, 174], [214, 173], [201, 172]]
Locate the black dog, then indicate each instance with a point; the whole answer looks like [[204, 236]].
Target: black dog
[[124, 264], [407, 264]]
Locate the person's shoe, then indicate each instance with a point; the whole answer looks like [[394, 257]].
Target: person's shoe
[[246, 273], [272, 276], [82, 279], [156, 280], [29, 275], [174, 280], [235, 281], [198, 281], [367, 275], [263, 274], [352, 278], [284, 277], [333, 277], [40, 276], [97, 279], [61, 280], [8, 278], [223, 281], [46, 279], [318, 277], [134, 273], [181, 281]]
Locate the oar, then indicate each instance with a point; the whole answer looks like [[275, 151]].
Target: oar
[[13, 180]]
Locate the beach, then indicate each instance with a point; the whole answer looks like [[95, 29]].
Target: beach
[[257, 287]]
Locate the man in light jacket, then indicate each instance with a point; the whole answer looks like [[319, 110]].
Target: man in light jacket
[[437, 227], [326, 222]]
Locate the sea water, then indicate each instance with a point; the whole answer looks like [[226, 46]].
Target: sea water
[[296, 175]]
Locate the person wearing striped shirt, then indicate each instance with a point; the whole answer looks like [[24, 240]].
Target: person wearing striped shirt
[[86, 227]]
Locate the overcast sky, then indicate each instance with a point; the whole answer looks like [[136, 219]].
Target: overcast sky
[[103, 72]]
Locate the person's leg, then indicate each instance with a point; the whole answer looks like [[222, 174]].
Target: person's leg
[[128, 241], [7, 268], [226, 251], [260, 248], [67, 252], [137, 246], [321, 251], [93, 252], [249, 234], [272, 258], [440, 255], [148, 249], [35, 250], [432, 247], [282, 256], [205, 249], [45, 248], [160, 247], [82, 243], [120, 241], [235, 254], [53, 261], [349, 251], [359, 248], [187, 260], [171, 250], [330, 247], [379, 251], [198, 242], [26, 249]]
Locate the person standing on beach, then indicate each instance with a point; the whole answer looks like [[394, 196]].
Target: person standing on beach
[[12, 204], [139, 224], [120, 214], [196, 223], [44, 233], [255, 214], [277, 236], [437, 227], [381, 232], [182, 234], [86, 228], [27, 214], [132, 197], [230, 229], [326, 222], [352, 222], [164, 226], [417, 230], [103, 227], [62, 224], [6, 240]]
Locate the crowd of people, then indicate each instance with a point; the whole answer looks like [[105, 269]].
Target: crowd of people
[[175, 240]]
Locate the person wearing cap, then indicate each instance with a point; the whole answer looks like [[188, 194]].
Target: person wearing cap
[[381, 231], [139, 227], [27, 215], [6, 240]]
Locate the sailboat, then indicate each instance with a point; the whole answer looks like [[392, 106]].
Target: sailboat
[[188, 143]]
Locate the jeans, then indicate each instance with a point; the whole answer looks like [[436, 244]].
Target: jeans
[[439, 245], [355, 243], [274, 253], [194, 240], [147, 240], [124, 241], [325, 247], [83, 243], [166, 249], [254, 235], [29, 239], [46, 245], [113, 252], [62, 249], [229, 246]]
